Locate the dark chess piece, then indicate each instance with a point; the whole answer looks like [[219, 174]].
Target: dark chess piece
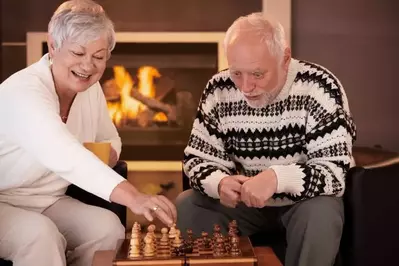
[[216, 233], [190, 238], [219, 248], [186, 248], [233, 226], [206, 243], [234, 249]]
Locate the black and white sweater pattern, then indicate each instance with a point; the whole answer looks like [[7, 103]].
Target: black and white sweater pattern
[[305, 135]]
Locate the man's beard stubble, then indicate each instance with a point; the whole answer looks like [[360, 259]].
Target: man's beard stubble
[[267, 97]]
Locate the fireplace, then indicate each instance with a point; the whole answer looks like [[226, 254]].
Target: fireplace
[[153, 83]]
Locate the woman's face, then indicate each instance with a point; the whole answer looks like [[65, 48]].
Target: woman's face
[[76, 67]]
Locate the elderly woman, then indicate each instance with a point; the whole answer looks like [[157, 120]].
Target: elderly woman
[[47, 111]]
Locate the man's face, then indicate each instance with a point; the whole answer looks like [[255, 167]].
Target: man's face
[[77, 67], [256, 73]]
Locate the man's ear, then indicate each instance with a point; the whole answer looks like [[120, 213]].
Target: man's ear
[[286, 58]]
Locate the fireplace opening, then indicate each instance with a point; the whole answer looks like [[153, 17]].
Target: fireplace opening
[[152, 92]]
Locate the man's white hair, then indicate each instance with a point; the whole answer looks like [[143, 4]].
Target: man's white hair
[[269, 32], [80, 21]]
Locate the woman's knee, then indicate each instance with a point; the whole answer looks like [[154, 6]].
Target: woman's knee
[[39, 231], [108, 229]]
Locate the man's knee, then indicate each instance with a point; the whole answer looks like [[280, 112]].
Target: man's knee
[[320, 213], [193, 212], [184, 200]]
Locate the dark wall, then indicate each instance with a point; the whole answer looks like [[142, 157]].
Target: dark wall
[[358, 40], [21, 16]]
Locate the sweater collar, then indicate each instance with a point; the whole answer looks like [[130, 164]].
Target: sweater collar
[[291, 74]]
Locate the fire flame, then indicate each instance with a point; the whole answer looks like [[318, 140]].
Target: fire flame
[[128, 107]]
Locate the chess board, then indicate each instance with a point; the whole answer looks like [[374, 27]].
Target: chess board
[[196, 257]]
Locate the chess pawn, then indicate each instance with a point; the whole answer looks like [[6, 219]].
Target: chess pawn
[[219, 249], [148, 247], [164, 235], [177, 241], [190, 239], [205, 240], [172, 232], [216, 233], [164, 245], [234, 249]]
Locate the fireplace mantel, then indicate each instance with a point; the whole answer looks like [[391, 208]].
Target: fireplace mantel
[[35, 41]]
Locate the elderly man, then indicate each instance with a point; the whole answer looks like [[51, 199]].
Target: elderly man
[[270, 146]]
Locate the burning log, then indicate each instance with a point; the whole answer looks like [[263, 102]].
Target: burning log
[[155, 105], [112, 93]]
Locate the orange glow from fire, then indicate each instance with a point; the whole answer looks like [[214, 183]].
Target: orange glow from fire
[[128, 107]]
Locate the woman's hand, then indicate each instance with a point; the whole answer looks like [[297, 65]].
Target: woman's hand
[[154, 206], [113, 157], [142, 204]]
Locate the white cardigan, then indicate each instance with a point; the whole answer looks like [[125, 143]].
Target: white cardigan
[[39, 154]]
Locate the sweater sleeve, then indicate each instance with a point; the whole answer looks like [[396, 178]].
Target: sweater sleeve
[[206, 161], [29, 118], [107, 131], [330, 133]]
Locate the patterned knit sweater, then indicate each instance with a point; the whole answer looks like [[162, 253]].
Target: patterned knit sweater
[[305, 135]]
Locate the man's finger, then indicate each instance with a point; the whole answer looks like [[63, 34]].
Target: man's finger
[[232, 195], [241, 179], [235, 186], [245, 197]]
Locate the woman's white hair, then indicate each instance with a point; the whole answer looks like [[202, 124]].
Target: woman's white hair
[[269, 32], [80, 21]]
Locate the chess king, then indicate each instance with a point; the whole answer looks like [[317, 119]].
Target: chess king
[[270, 146]]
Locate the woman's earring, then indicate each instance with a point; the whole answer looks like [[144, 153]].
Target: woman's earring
[[51, 61]]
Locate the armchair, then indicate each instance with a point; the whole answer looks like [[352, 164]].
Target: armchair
[[88, 198], [371, 230]]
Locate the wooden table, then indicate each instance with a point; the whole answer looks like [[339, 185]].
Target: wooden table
[[265, 255]]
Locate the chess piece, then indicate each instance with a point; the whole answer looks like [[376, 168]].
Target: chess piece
[[172, 232], [190, 239], [136, 232], [164, 244], [205, 240], [233, 227], [185, 248], [134, 249], [216, 233], [151, 233], [218, 248], [164, 235], [234, 250], [148, 247], [177, 241]]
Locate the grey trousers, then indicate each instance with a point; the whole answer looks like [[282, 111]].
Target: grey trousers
[[313, 227], [68, 232]]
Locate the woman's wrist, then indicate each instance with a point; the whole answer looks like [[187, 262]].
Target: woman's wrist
[[124, 193]]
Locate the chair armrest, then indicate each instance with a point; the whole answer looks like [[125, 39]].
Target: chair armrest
[[371, 227], [88, 198]]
